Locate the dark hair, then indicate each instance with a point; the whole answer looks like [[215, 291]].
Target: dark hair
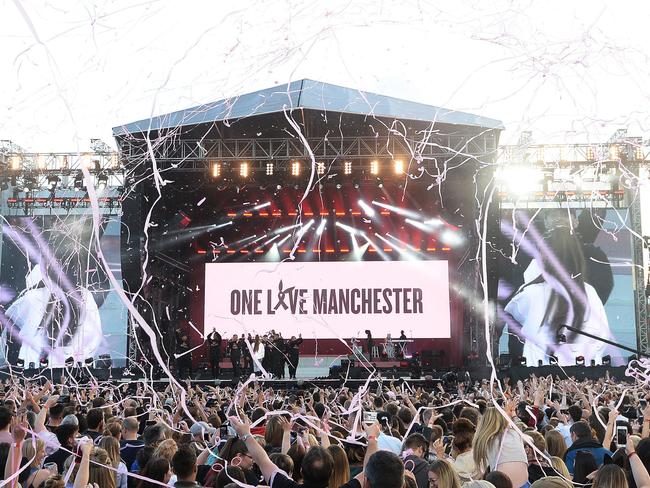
[[384, 470], [319, 408], [584, 464], [498, 479], [470, 413], [232, 448], [64, 432], [143, 456], [56, 411], [226, 476], [94, 418], [562, 250], [575, 412], [297, 454], [405, 415], [282, 461], [184, 462], [464, 431], [414, 441], [5, 417], [317, 466], [156, 469], [153, 434], [581, 429]]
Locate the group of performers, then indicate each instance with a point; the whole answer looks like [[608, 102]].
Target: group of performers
[[390, 348], [270, 351]]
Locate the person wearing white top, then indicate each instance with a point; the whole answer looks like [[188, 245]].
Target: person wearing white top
[[258, 353], [559, 296]]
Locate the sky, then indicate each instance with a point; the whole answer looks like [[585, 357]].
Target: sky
[[567, 71]]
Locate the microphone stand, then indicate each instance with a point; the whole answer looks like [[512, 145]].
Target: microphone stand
[[606, 341]]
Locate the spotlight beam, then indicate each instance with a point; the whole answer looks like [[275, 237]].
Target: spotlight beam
[[400, 211], [401, 251], [321, 227], [369, 211]]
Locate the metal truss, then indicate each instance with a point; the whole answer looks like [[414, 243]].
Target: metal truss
[[197, 155], [640, 298]]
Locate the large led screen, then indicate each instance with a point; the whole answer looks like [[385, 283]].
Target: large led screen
[[57, 301], [329, 299], [566, 267]]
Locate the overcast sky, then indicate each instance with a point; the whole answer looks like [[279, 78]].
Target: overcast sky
[[567, 70]]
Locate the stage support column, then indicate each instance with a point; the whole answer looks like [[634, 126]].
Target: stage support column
[[638, 271]]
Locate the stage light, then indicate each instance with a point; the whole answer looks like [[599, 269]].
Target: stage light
[[262, 205], [243, 169], [295, 168], [591, 154], [580, 361], [320, 168], [638, 154], [356, 184], [520, 180], [115, 161], [216, 169], [607, 360], [351, 230], [41, 161], [283, 240], [338, 186], [218, 226], [374, 167], [16, 163], [398, 166], [347, 168], [451, 238], [269, 169], [400, 211], [521, 361], [552, 360], [286, 228], [321, 227], [369, 211]]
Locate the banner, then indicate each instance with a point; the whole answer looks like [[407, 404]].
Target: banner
[[329, 299]]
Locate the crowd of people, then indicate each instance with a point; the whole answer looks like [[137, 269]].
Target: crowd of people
[[543, 432]]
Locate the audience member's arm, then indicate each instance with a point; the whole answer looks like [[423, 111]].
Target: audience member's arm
[[372, 433], [39, 424], [609, 433], [83, 473], [13, 460], [639, 471], [256, 451], [286, 435]]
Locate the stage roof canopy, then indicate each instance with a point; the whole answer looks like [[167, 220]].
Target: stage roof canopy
[[310, 95]]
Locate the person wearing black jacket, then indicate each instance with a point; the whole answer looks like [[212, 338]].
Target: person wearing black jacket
[[184, 358], [279, 357], [234, 351], [414, 450], [214, 342], [293, 354]]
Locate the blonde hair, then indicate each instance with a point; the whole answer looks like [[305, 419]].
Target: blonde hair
[[560, 467], [112, 447], [491, 426], [103, 476], [447, 475], [555, 443], [166, 449], [551, 482], [610, 476], [29, 452], [341, 471]]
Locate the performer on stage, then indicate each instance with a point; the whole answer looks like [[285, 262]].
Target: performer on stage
[[389, 347], [369, 343], [279, 356], [247, 359], [293, 354], [258, 353], [214, 342], [402, 335], [184, 358], [234, 351]]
